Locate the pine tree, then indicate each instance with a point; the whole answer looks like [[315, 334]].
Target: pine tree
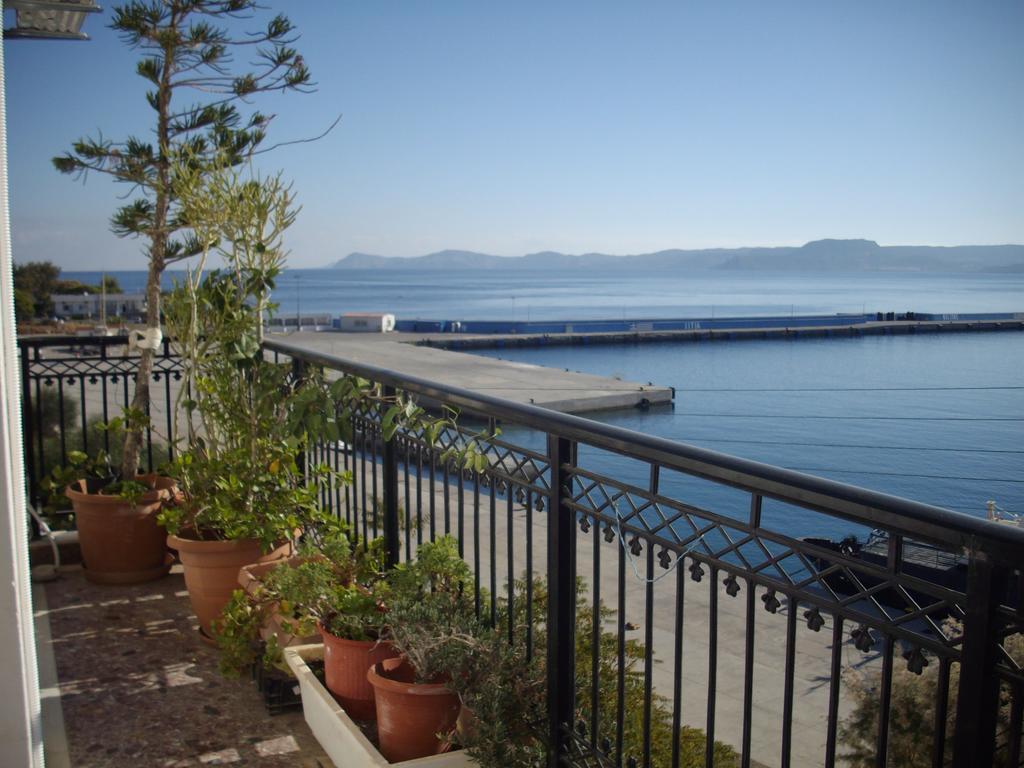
[[187, 49]]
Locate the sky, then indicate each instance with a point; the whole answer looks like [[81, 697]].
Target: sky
[[575, 126]]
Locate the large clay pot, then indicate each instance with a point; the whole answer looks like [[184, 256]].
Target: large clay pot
[[211, 572], [411, 715], [251, 577], [122, 543], [346, 663]]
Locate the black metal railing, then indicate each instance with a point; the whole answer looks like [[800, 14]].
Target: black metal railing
[[73, 384], [583, 498], [730, 640]]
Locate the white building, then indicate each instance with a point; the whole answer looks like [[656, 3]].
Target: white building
[[129, 306], [289, 323], [367, 322]]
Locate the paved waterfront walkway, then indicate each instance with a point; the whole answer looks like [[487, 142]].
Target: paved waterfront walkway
[[554, 388]]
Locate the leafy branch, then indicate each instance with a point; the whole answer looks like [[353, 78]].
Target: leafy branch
[[186, 47]]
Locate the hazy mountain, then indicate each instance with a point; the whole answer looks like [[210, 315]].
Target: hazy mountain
[[818, 255]]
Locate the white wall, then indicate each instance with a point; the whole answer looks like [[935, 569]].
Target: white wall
[[20, 724]]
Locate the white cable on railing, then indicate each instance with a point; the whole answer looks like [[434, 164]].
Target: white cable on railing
[[632, 559]]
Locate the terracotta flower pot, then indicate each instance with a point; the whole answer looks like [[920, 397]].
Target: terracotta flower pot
[[346, 663], [211, 572], [122, 543], [411, 715], [250, 577]]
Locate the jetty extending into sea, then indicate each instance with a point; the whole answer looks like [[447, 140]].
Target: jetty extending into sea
[[429, 349], [477, 336], [555, 388]]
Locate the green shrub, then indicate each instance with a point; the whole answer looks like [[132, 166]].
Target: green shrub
[[912, 712], [506, 690], [333, 583]]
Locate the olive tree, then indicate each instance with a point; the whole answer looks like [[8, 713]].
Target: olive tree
[[196, 92]]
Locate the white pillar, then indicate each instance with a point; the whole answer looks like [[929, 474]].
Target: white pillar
[[21, 741]]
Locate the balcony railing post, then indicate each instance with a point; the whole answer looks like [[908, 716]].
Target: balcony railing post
[[561, 600], [977, 707], [392, 545], [298, 374], [28, 427]]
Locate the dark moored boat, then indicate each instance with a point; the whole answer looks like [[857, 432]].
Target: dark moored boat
[[920, 561]]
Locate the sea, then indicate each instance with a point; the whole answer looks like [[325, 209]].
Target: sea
[[569, 294], [936, 418]]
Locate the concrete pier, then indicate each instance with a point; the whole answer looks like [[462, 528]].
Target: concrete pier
[[875, 328], [554, 388], [435, 356]]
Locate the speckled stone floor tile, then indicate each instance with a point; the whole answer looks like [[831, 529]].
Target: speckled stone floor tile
[[139, 688]]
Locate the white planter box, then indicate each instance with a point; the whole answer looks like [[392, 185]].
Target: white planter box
[[342, 739]]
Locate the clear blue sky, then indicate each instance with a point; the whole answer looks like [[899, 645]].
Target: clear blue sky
[[583, 126]]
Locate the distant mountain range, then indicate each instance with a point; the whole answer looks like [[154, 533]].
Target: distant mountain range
[[819, 255]]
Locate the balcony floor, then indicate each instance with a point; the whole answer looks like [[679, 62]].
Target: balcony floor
[[138, 687]]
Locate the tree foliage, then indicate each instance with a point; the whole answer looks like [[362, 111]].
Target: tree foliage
[[187, 52], [188, 46], [107, 283], [24, 305], [34, 283], [912, 709]]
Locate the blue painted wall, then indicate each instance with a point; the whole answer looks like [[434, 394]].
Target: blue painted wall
[[679, 324]]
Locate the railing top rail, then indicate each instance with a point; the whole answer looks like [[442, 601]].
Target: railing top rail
[[898, 515], [68, 340]]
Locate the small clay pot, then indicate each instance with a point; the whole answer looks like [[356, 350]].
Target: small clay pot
[[411, 715], [346, 663], [122, 543], [211, 572], [250, 577]]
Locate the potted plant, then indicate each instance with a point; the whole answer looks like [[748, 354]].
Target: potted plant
[[232, 513], [264, 617], [502, 689], [244, 418], [434, 627], [118, 532], [346, 742], [267, 616], [186, 48], [343, 593], [271, 610]]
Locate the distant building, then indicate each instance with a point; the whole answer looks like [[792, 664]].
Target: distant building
[[126, 306], [367, 322], [286, 323]]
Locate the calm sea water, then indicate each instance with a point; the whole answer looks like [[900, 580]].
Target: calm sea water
[[561, 295], [938, 418]]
